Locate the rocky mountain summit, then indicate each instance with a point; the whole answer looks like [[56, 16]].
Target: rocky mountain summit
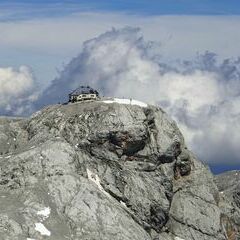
[[103, 171]]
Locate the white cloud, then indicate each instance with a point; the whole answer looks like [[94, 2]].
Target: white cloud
[[202, 94], [16, 90], [198, 88], [46, 43]]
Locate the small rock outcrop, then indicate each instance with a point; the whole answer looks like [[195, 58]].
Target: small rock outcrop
[[95, 170]]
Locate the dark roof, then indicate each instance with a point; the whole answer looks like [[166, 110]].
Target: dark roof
[[84, 90]]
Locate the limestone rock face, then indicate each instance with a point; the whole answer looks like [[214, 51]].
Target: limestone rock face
[[229, 186], [98, 171]]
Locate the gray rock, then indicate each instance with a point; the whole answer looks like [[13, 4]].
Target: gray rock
[[229, 202], [104, 171]]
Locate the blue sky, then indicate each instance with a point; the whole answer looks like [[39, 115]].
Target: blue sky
[[18, 9], [43, 36]]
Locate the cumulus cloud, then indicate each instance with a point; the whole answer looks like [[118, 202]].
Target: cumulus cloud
[[202, 95], [44, 42], [17, 91]]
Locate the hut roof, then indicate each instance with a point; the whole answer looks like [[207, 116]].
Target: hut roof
[[84, 90]]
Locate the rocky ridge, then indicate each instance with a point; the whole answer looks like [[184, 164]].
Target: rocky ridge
[[95, 170]]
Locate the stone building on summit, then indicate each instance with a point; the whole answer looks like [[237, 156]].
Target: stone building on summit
[[83, 93]]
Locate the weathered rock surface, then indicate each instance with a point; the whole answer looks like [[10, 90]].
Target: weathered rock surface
[[229, 186], [105, 171]]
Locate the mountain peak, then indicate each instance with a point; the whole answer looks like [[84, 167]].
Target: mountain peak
[[105, 169]]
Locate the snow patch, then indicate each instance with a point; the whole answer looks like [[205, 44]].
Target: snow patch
[[94, 178], [42, 229], [123, 203], [44, 213], [30, 239], [76, 146], [8, 156], [178, 238], [126, 101]]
